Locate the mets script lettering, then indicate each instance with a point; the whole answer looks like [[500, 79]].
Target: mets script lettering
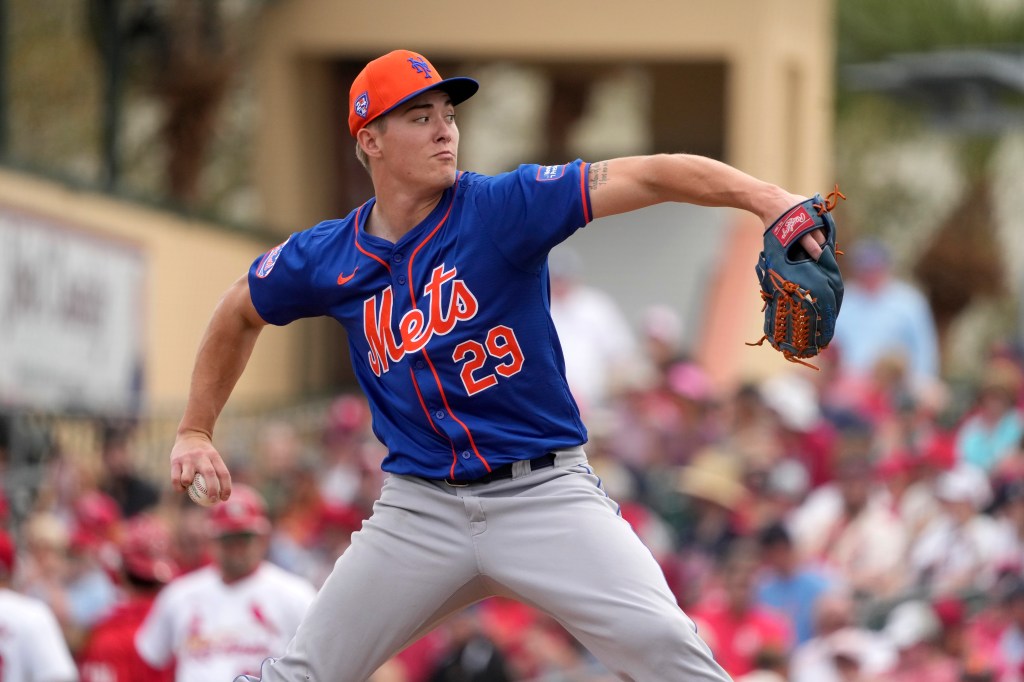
[[417, 326]]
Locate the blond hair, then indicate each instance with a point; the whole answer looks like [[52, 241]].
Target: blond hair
[[380, 125]]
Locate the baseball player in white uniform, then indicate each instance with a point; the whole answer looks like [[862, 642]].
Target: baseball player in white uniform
[[223, 620], [32, 647], [441, 282]]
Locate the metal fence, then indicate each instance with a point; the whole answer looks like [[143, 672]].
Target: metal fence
[[32, 444]]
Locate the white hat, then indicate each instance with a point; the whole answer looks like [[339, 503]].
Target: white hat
[[794, 399], [964, 483], [910, 623], [849, 643], [663, 323]]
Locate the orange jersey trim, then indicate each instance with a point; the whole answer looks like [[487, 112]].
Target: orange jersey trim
[[359, 212], [583, 192]]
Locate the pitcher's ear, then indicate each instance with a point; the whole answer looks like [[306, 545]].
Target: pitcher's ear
[[369, 139]]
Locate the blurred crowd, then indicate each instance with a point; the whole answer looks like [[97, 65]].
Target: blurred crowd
[[860, 523]]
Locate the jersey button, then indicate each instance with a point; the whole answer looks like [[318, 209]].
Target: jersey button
[[439, 414], [420, 364], [401, 279], [465, 454], [397, 257]]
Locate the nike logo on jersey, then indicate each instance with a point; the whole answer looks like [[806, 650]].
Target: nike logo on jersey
[[417, 326], [344, 279]]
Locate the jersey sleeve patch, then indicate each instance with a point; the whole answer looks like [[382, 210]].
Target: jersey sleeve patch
[[269, 260], [549, 173]]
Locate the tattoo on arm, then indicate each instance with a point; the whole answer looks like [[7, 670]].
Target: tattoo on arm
[[598, 175]]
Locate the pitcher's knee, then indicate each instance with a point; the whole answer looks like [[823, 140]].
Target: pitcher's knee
[[662, 648], [659, 637]]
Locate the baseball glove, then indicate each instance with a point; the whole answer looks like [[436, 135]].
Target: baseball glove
[[802, 296]]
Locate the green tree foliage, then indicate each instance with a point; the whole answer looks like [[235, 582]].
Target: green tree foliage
[[898, 163], [870, 30]]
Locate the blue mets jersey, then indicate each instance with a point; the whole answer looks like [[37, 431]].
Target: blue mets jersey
[[449, 329]]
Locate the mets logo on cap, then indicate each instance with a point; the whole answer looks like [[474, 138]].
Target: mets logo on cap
[[420, 65], [362, 105]]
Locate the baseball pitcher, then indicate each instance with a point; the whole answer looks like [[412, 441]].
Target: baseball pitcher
[[441, 281]]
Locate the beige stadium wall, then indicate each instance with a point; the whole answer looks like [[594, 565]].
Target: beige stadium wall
[[779, 55], [188, 266]]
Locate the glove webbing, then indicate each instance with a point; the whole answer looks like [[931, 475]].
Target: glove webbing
[[831, 199], [785, 311]]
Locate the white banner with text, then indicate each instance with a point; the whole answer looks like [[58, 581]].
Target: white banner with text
[[71, 317]]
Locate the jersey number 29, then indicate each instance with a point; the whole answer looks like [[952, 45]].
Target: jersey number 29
[[501, 344]]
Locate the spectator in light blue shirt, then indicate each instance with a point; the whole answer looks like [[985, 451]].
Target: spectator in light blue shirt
[[882, 315], [993, 430], [787, 586]]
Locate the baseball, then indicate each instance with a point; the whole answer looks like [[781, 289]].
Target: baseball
[[198, 491]]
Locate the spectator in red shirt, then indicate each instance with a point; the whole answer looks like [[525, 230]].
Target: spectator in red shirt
[[146, 566], [738, 630]]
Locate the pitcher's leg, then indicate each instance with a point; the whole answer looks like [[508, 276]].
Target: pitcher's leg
[[562, 546], [411, 563]]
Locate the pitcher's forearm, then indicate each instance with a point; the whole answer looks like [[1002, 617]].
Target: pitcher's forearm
[[706, 182], [223, 354], [219, 365]]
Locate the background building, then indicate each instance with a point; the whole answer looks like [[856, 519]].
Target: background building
[[726, 79]]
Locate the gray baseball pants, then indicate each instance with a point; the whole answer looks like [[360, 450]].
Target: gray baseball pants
[[550, 538]]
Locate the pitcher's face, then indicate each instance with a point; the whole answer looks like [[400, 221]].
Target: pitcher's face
[[420, 142]]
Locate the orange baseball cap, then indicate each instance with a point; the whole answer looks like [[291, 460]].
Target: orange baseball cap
[[396, 77]]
